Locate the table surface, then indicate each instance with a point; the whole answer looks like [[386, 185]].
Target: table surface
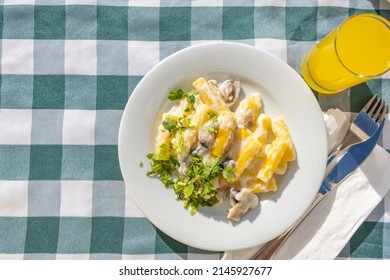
[[66, 73]]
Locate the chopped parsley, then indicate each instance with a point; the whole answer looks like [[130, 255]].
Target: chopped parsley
[[229, 174], [162, 169], [212, 116], [181, 124], [179, 94], [169, 124], [195, 188], [211, 128], [178, 143]]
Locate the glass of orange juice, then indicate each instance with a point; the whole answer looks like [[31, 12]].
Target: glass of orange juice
[[356, 51]]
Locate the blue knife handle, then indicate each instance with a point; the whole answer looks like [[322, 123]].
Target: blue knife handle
[[350, 161]]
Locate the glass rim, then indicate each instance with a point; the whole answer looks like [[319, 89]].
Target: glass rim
[[337, 30]]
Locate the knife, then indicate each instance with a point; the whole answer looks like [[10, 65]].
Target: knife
[[348, 163]]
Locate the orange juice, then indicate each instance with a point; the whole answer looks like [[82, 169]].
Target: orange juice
[[357, 51]]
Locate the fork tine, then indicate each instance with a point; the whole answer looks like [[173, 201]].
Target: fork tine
[[383, 115], [373, 108], [368, 105], [379, 110]]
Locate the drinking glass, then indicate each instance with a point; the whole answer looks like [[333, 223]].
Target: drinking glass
[[356, 51]]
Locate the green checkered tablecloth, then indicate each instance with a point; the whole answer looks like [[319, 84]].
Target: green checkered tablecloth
[[67, 70]]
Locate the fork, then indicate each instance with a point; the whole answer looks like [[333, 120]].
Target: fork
[[366, 123], [363, 126]]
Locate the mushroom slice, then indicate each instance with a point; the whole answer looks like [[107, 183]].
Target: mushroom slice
[[206, 135], [229, 91], [201, 150], [241, 200]]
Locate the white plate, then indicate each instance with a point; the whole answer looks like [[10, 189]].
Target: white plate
[[284, 94]]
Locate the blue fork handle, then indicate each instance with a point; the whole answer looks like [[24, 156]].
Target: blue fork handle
[[350, 161], [365, 123]]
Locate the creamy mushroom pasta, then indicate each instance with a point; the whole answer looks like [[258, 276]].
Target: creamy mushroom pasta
[[206, 152]]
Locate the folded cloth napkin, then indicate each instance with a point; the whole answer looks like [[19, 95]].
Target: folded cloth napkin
[[327, 229]]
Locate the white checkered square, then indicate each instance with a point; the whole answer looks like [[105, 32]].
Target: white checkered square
[[81, 2], [273, 46], [330, 3], [15, 127], [77, 257], [79, 127], [17, 57], [207, 3], [301, 3], [235, 3], [142, 56], [19, 2], [264, 3], [13, 198], [144, 3], [80, 57], [10, 257], [200, 42], [76, 198]]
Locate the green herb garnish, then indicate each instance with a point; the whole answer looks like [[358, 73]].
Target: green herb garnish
[[195, 189], [163, 169], [169, 124], [211, 128], [179, 94], [176, 94], [229, 173], [212, 116]]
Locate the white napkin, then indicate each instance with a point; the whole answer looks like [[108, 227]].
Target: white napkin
[[325, 232]]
